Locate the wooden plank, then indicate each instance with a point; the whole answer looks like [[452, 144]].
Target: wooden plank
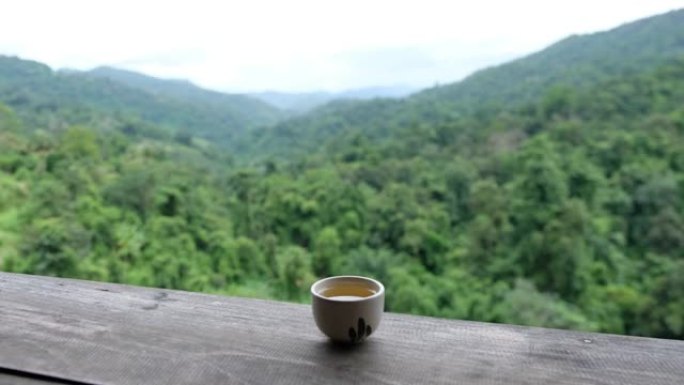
[[13, 377], [113, 334], [8, 379]]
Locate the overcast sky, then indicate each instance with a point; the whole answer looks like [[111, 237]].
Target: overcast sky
[[297, 45]]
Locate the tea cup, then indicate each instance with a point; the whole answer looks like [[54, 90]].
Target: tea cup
[[348, 308]]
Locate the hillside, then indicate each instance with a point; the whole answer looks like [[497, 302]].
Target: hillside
[[247, 110], [40, 95], [576, 62]]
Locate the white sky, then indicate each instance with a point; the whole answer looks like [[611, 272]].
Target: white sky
[[300, 45]]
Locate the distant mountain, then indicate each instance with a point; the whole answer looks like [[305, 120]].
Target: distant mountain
[[306, 101], [246, 108], [35, 91], [295, 102], [577, 62]]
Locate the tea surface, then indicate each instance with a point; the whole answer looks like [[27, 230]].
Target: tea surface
[[347, 292], [346, 298]]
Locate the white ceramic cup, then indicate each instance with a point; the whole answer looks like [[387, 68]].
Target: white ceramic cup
[[348, 308]]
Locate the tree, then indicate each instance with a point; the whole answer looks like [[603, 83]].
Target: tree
[[525, 305], [249, 257], [364, 261], [459, 178], [53, 247], [135, 190], [294, 272], [326, 249], [655, 220], [79, 142], [663, 316], [558, 102], [8, 119], [406, 294]]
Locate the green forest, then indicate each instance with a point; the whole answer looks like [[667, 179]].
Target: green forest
[[548, 191]]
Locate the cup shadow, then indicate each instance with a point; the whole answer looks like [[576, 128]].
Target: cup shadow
[[340, 349], [351, 363]]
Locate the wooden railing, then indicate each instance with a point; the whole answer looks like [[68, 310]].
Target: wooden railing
[[77, 332]]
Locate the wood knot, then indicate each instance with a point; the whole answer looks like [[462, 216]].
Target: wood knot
[[160, 296], [151, 306]]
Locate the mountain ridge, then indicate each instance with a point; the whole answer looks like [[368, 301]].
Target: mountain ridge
[[29, 86], [575, 61], [571, 59]]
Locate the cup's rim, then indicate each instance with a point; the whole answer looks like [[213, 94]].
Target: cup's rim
[[380, 292]]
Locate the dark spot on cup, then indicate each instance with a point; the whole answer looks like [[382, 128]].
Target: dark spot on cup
[[363, 331], [352, 334]]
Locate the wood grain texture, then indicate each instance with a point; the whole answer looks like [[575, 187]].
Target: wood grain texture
[[114, 334]]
